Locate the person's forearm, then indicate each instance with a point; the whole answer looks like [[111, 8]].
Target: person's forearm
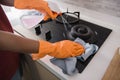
[[11, 42], [7, 2]]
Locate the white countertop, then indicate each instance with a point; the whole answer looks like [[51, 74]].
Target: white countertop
[[99, 63]]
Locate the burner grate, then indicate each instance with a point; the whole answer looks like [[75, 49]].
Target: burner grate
[[75, 17]]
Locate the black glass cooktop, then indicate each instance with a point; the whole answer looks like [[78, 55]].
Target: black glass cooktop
[[56, 30]]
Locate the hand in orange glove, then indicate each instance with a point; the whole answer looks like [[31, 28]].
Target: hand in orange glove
[[61, 49], [39, 5]]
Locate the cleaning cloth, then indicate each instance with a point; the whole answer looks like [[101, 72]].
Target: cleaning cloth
[[90, 49], [68, 65]]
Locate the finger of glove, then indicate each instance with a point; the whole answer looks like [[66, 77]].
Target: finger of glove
[[48, 14], [64, 49], [51, 14], [44, 48], [78, 50]]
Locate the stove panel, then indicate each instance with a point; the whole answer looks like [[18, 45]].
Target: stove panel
[[54, 31]]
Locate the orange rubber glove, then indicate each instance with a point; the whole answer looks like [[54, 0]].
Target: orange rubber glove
[[61, 49], [39, 5]]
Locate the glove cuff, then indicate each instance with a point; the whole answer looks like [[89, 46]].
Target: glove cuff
[[45, 48]]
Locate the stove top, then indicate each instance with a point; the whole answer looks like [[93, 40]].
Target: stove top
[[70, 26]]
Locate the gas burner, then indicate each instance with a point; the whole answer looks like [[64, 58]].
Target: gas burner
[[75, 29], [66, 16], [83, 32]]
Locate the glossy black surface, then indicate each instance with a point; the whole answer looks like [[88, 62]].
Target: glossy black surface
[[54, 31]]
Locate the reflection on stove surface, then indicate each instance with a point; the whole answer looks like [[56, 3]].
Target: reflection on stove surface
[[70, 26]]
